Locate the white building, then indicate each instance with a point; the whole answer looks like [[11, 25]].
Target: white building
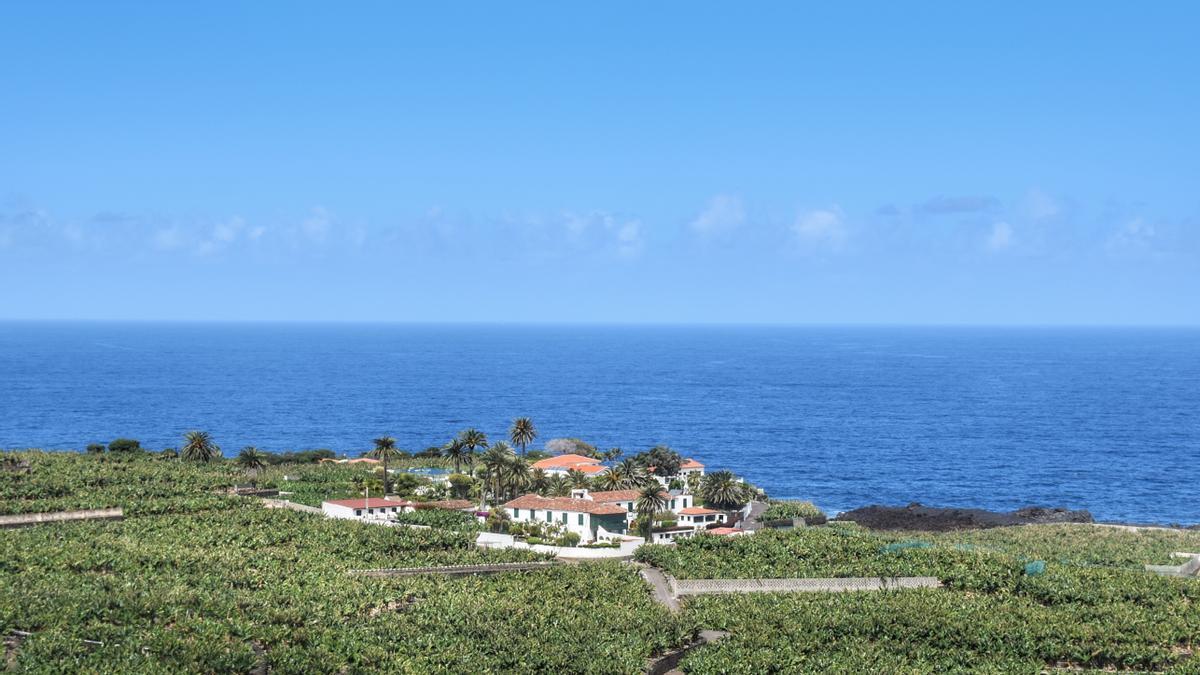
[[365, 508], [627, 499], [699, 518], [587, 518]]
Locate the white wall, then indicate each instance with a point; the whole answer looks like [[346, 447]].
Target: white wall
[[572, 525]]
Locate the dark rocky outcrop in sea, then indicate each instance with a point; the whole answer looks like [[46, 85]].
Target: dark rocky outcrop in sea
[[932, 519]]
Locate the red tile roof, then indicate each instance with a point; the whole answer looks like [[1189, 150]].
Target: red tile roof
[[691, 464], [697, 511], [586, 468], [723, 530], [372, 503], [563, 461], [532, 501], [621, 495]]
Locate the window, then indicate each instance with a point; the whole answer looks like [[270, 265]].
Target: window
[[516, 513], [581, 519], [672, 504], [564, 520], [358, 512], [549, 516]]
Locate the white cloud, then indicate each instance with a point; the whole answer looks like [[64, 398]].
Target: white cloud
[[604, 231], [1001, 237], [227, 231], [723, 213], [1040, 205], [820, 226], [1135, 236], [317, 225], [168, 238]]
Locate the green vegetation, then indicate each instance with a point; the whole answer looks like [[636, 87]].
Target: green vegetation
[[441, 519], [194, 580], [522, 433], [786, 510], [1093, 607], [197, 580]]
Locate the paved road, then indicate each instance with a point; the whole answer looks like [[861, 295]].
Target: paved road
[[662, 592]]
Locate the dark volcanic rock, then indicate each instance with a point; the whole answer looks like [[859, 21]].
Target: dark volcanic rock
[[932, 519]]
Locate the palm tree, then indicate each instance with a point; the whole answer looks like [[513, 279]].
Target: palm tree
[[518, 476], [252, 460], [723, 490], [578, 479], [538, 481], [472, 439], [522, 432], [650, 501], [385, 449], [495, 462], [611, 454], [558, 486], [456, 450], [616, 478], [199, 447]]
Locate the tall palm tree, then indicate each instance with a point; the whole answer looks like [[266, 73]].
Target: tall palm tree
[[495, 462], [385, 449], [649, 502], [252, 460], [472, 439], [198, 446], [455, 451], [611, 454], [723, 490], [522, 432]]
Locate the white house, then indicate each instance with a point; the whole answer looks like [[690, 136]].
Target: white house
[[365, 508], [585, 517], [698, 517], [691, 467], [627, 499]]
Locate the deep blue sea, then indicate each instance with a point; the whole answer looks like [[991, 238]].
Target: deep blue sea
[[1103, 419]]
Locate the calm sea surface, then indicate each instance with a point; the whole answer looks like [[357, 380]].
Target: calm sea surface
[[1103, 419]]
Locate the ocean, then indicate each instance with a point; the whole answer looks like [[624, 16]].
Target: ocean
[[1104, 419]]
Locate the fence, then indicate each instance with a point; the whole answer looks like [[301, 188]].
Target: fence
[[27, 519]]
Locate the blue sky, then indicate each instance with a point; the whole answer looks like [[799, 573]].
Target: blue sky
[[1026, 163]]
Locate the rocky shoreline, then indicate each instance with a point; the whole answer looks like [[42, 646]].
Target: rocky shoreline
[[917, 516]]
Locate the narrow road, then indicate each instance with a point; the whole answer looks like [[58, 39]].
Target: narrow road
[[662, 592]]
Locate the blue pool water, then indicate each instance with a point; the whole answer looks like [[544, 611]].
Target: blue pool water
[[1103, 419]]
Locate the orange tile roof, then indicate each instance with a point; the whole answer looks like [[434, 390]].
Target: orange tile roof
[[362, 460], [723, 530], [621, 495], [563, 461], [697, 511], [532, 501], [691, 464], [371, 503], [588, 468]]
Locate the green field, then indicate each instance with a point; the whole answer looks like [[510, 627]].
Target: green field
[[194, 580]]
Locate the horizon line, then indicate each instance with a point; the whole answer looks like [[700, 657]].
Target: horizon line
[[597, 323]]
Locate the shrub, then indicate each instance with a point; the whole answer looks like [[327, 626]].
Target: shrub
[[125, 445], [568, 539], [95, 448], [786, 510]]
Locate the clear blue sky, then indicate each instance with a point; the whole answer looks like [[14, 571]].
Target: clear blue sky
[[1027, 162]]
